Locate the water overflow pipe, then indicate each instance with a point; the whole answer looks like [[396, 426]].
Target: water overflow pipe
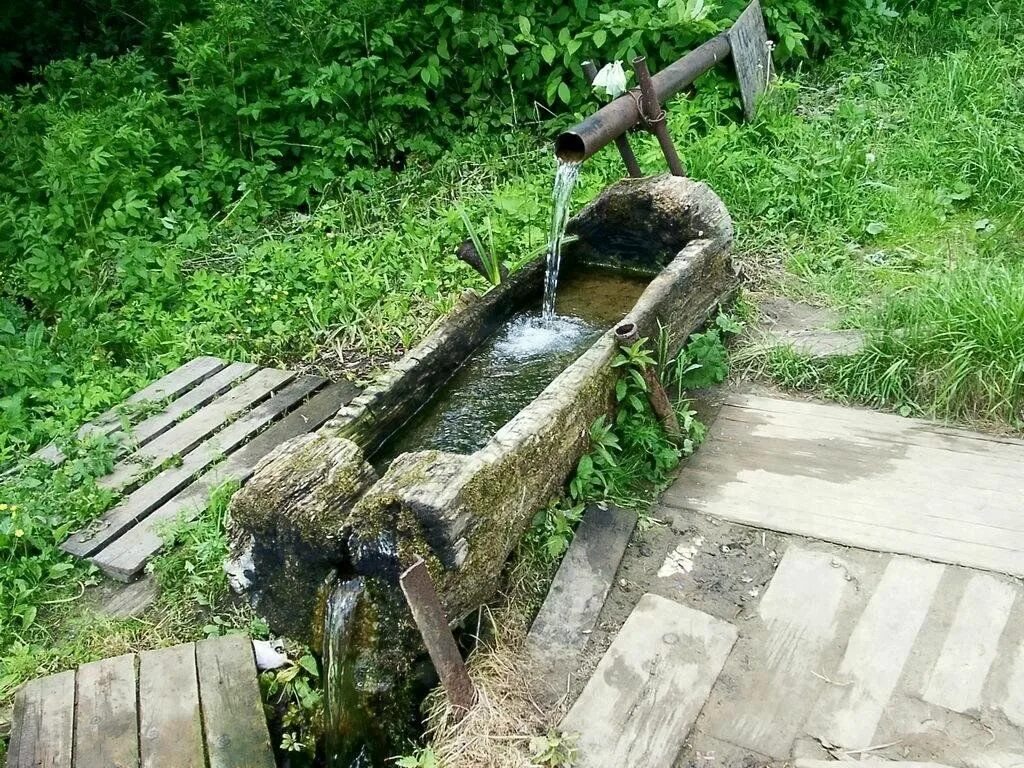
[[617, 117]]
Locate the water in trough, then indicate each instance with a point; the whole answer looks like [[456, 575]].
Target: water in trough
[[515, 364]]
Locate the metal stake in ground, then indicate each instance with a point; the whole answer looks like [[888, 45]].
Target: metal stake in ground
[[654, 115], [621, 142], [626, 335], [418, 588]]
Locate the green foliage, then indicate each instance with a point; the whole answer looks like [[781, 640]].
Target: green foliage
[[704, 361], [951, 347], [293, 697], [554, 750], [39, 507], [191, 566], [423, 757], [488, 257]]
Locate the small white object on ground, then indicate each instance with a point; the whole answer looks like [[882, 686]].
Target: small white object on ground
[[269, 654]]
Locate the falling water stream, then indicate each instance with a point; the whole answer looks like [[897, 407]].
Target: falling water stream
[[565, 180], [340, 717]]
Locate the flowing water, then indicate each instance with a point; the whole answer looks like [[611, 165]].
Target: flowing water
[[565, 180], [515, 364], [340, 725]]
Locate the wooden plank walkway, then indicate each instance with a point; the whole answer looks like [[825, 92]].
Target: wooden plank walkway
[[188, 706], [858, 650], [862, 478], [646, 693], [217, 421]]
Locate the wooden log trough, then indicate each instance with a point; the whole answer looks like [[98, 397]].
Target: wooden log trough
[[316, 509]]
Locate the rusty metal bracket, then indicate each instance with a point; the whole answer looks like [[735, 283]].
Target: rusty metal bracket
[[427, 612], [654, 116]]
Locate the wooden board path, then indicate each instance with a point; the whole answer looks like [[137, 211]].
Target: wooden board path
[[638, 707], [217, 420], [195, 705], [863, 479]]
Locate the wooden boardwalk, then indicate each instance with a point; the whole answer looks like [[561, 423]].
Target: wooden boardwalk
[[189, 706], [862, 478], [212, 424]]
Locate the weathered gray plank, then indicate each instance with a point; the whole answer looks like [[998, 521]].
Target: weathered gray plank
[[878, 648], [751, 57], [196, 397], [873, 421], [173, 384], [867, 764], [570, 611], [170, 727], [189, 433], [777, 688], [235, 728], [43, 725], [822, 344], [648, 689], [864, 479], [133, 599], [971, 645], [126, 557], [153, 493], [106, 719]]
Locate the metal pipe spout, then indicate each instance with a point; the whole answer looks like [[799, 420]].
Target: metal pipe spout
[[617, 117]]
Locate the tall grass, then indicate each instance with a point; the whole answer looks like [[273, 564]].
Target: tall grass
[[952, 347]]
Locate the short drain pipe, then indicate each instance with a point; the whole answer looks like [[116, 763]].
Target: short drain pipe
[[626, 335]]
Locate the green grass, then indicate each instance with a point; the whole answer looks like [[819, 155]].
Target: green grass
[[887, 183]]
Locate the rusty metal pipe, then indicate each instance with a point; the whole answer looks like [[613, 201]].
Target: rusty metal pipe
[[614, 119], [654, 116], [621, 142]]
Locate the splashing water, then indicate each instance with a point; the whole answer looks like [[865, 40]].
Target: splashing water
[[338, 687], [565, 180]]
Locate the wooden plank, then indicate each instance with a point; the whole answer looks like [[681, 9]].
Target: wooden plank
[[751, 56], [878, 648], [917, 510], [127, 556], [750, 427], [432, 623], [863, 418], [863, 479], [43, 725], [186, 435], [971, 645], [153, 493], [129, 600], [1012, 703], [235, 727], [777, 688], [867, 764], [170, 726], [173, 384], [901, 531], [649, 687], [569, 614], [106, 720], [195, 398]]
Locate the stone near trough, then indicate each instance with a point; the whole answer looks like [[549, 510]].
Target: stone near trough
[[562, 628], [645, 695]]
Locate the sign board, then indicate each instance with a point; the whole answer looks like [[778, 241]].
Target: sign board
[[752, 56]]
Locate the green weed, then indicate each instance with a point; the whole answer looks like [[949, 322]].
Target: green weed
[[950, 347]]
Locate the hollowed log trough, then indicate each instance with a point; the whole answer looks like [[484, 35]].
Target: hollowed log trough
[[316, 506]]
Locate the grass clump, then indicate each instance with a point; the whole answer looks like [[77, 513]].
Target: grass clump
[[952, 347]]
